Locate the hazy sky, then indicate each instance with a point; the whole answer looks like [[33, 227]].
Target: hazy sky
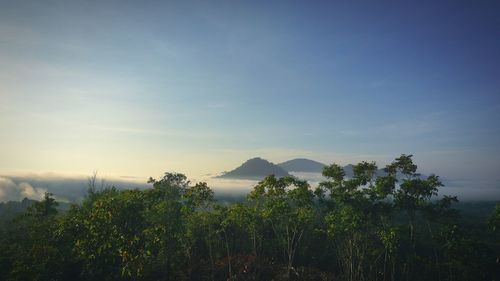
[[137, 88]]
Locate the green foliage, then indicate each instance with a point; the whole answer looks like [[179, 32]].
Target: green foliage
[[31, 247], [368, 227]]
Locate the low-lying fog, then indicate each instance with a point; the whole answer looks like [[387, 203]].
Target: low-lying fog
[[73, 189]]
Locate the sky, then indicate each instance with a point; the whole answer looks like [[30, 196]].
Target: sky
[[137, 88]]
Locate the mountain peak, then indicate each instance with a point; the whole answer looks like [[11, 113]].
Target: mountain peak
[[255, 169]]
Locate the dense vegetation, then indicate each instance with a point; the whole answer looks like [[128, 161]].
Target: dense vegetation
[[390, 227]]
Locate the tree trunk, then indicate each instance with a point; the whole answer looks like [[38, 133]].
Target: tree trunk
[[228, 257]]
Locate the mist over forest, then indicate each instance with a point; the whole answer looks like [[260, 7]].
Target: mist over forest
[[66, 189], [73, 189]]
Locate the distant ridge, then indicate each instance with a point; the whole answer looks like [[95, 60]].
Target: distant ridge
[[310, 166], [302, 165], [255, 169], [258, 168]]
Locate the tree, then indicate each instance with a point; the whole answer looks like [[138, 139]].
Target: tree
[[348, 221], [166, 226], [45, 208], [288, 208], [108, 235], [494, 219], [32, 244]]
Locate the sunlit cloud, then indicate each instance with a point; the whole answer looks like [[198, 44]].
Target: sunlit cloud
[[11, 191], [67, 188]]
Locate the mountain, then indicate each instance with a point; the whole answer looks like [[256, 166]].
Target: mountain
[[255, 169], [348, 171], [258, 168], [302, 165]]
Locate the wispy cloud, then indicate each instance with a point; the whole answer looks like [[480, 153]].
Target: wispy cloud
[[217, 105], [11, 191], [412, 127], [350, 133], [22, 36], [176, 133], [18, 35]]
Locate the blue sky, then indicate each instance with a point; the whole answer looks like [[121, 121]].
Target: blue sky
[[137, 88]]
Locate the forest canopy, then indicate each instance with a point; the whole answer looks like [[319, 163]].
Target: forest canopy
[[364, 227]]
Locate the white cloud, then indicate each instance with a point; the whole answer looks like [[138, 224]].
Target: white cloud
[[11, 191]]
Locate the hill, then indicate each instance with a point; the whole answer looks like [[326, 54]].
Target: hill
[[255, 169], [302, 165]]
